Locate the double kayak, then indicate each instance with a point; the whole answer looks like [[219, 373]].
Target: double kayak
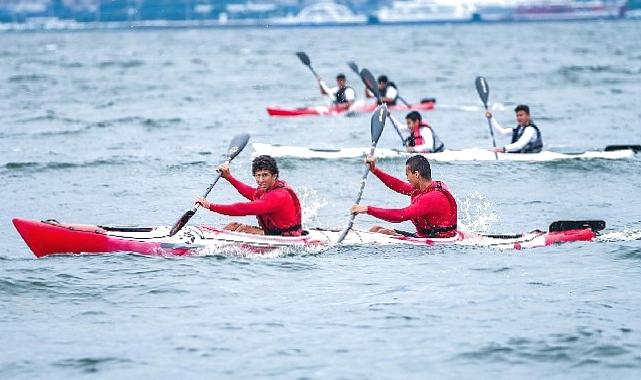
[[473, 154], [358, 107], [50, 237]]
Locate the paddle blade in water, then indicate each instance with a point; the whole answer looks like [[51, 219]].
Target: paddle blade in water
[[303, 58], [370, 83], [352, 65], [483, 89], [379, 116], [237, 145], [565, 225], [180, 223]]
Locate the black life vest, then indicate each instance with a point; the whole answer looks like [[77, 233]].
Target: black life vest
[[339, 96], [533, 146]]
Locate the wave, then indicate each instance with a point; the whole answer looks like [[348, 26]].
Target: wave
[[121, 64], [22, 167], [31, 78]]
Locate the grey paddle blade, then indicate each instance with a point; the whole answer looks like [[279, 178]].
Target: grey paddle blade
[[566, 225], [180, 223], [236, 145], [483, 89], [352, 65], [370, 83], [379, 116], [303, 58]]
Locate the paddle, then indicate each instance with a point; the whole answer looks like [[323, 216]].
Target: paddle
[[566, 225], [368, 79], [634, 148], [377, 124], [484, 92], [236, 146], [304, 58], [307, 62]]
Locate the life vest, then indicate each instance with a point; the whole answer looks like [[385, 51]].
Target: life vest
[[270, 226], [436, 229], [533, 146], [339, 96], [384, 94], [416, 138]]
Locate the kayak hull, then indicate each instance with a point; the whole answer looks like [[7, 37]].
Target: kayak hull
[[333, 111], [46, 238], [473, 154]]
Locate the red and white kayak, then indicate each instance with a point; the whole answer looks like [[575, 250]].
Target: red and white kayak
[[50, 237], [361, 107]]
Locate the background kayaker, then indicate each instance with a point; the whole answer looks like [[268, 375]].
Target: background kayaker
[[389, 91], [343, 96], [274, 203], [526, 136], [432, 209], [422, 138]]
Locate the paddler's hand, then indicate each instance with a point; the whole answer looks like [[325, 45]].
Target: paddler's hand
[[371, 161], [223, 169], [359, 209], [203, 202], [499, 149], [488, 114], [410, 149]]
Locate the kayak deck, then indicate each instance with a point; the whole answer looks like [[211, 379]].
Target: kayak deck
[[46, 238], [358, 107], [472, 154]]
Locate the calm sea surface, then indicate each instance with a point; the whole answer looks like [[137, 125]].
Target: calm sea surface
[[126, 127]]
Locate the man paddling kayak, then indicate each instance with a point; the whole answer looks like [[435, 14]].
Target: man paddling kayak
[[389, 92], [432, 209], [422, 138], [274, 203], [343, 96], [526, 137]]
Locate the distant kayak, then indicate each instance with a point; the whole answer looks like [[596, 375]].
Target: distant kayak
[[473, 154], [358, 107], [46, 238]]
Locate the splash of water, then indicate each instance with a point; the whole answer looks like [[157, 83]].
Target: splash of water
[[311, 203], [475, 213]]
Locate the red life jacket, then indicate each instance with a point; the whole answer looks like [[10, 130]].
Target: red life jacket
[[273, 227], [441, 226]]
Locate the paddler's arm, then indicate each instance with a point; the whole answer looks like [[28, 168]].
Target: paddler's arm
[[526, 137], [392, 182], [496, 126], [243, 189], [323, 88], [392, 215]]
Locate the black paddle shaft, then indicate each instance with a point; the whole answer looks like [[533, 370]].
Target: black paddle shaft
[[236, 146], [484, 93], [304, 58], [377, 124]]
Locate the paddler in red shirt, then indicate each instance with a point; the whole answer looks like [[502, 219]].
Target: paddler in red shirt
[[432, 209], [274, 203]]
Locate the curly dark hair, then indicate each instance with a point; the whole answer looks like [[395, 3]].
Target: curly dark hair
[[264, 162]]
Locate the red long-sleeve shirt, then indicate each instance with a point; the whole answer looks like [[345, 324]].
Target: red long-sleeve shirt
[[429, 208], [275, 205]]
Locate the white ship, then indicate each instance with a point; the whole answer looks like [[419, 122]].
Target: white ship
[[567, 10], [424, 11], [323, 13]]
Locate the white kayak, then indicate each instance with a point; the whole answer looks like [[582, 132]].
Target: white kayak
[[50, 237], [472, 154]]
